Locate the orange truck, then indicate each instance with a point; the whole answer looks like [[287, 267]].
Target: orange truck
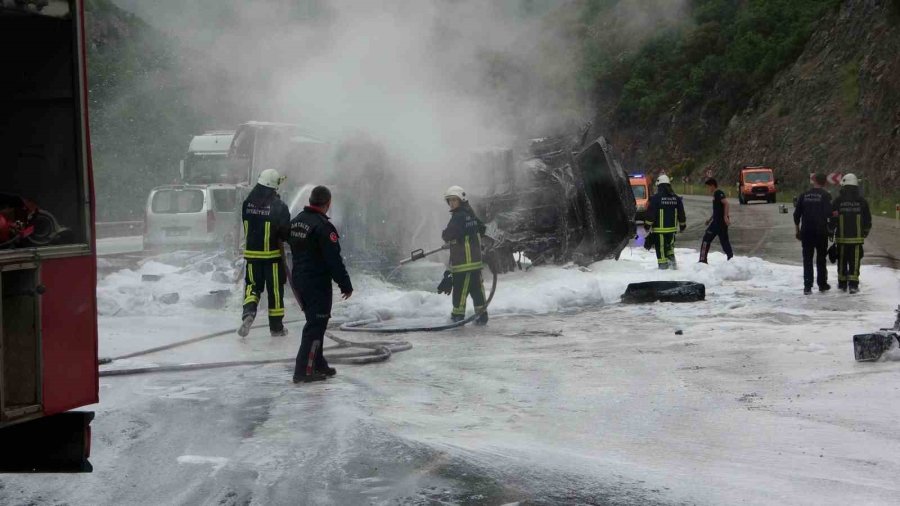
[[641, 188], [757, 183]]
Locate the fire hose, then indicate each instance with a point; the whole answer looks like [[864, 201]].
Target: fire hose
[[377, 351], [366, 325]]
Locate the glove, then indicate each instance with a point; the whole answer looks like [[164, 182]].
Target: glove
[[682, 227], [832, 254], [446, 286], [648, 242], [646, 226]]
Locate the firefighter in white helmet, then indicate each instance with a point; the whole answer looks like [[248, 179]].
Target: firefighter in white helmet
[[851, 221], [665, 215], [463, 234], [267, 223]]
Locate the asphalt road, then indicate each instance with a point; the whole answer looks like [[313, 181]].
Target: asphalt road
[[760, 230]]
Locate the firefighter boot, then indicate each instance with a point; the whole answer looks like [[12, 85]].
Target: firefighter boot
[[327, 371], [309, 378], [457, 318], [283, 331], [246, 324], [482, 319], [673, 264]]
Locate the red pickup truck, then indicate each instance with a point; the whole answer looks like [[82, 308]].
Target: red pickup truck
[[757, 183]]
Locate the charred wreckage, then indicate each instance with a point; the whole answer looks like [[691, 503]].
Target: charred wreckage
[[564, 200]]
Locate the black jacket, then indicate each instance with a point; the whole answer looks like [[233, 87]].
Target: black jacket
[[850, 217], [464, 235], [266, 224], [663, 210], [317, 252], [812, 212]]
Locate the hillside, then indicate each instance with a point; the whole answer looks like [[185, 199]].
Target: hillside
[[801, 85], [836, 109], [143, 107]]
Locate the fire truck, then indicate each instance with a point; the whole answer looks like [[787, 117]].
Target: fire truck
[[48, 337]]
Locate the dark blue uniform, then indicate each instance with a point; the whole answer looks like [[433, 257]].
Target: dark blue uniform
[[717, 228], [664, 210], [317, 262], [811, 214], [266, 224], [463, 233], [852, 220]]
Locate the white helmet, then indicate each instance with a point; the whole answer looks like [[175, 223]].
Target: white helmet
[[849, 180], [663, 179], [270, 179], [456, 191]]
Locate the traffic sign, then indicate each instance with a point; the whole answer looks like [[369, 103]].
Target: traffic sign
[[835, 178], [709, 173]]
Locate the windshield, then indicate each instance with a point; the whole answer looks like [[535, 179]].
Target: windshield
[[757, 177], [225, 200], [177, 201], [206, 169], [640, 191]]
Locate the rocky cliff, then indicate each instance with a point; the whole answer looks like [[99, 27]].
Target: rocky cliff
[[836, 109]]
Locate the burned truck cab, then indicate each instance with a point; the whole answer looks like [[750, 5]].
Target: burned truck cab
[[558, 202]]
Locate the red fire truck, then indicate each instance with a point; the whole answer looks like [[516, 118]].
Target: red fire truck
[[48, 337]]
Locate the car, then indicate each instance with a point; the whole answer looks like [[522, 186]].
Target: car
[[640, 186], [191, 216], [757, 183]]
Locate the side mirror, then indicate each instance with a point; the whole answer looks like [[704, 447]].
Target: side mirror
[[181, 169]]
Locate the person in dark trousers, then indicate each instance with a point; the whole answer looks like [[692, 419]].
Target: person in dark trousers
[[266, 225], [717, 225], [851, 220], [663, 211], [316, 251], [812, 213], [463, 234]]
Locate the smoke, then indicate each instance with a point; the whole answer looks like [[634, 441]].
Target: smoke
[[428, 79]]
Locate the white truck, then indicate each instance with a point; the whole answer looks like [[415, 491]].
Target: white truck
[[207, 159]]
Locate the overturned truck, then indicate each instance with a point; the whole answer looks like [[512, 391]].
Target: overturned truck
[[565, 201]]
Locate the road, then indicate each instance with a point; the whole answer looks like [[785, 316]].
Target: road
[[760, 230], [566, 397]]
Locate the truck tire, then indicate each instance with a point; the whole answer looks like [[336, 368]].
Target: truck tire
[[771, 199], [664, 291]]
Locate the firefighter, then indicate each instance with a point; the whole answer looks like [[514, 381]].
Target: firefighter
[[463, 234], [812, 212], [266, 225], [717, 224], [663, 211], [316, 251], [851, 220]]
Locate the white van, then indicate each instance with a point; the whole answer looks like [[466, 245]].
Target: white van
[[189, 216]]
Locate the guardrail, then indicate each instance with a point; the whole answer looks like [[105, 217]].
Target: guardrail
[[119, 228]]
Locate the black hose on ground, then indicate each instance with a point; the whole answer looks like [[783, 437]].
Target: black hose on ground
[[363, 325], [376, 351]]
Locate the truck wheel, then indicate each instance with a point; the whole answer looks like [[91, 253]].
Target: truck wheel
[[772, 198]]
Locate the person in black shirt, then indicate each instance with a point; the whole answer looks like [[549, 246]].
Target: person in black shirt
[[811, 214], [717, 225], [317, 262], [266, 222], [852, 221]]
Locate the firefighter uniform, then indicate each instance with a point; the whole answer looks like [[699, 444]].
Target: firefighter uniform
[[317, 261], [811, 214], [852, 221], [463, 233], [266, 225], [664, 210]]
